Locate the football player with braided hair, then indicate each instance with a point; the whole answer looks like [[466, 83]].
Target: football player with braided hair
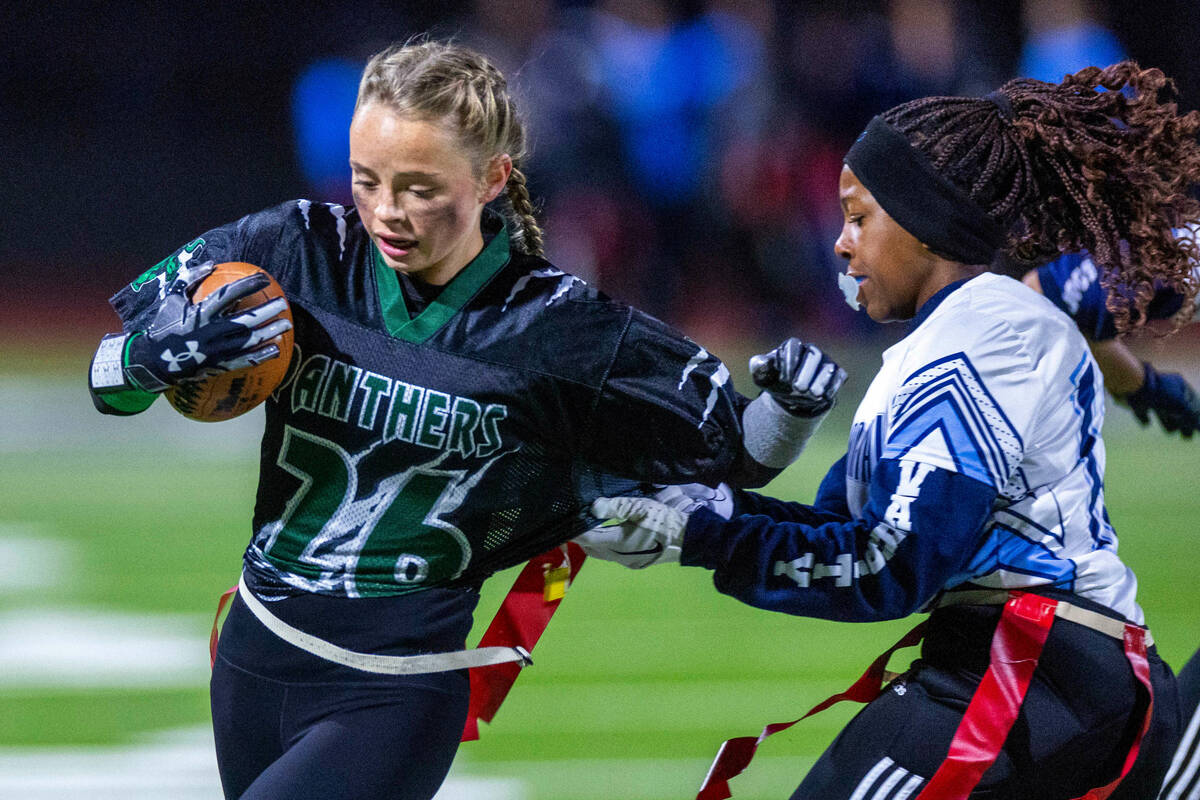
[[972, 488], [454, 405]]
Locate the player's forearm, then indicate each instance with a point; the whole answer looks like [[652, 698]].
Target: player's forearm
[[773, 437], [1123, 371], [755, 504], [837, 571], [917, 531]]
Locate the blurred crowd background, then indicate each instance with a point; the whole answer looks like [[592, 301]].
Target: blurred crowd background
[[685, 152]]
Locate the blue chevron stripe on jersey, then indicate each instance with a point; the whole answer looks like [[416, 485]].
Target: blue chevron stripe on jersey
[[1006, 550], [947, 399]]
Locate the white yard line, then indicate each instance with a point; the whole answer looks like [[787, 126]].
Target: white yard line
[[52, 647], [86, 648]]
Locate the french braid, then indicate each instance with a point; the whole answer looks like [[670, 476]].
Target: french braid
[[447, 82]]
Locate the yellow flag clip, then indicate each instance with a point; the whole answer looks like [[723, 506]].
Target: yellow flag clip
[[556, 583]]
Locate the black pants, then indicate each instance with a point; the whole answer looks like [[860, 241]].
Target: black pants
[[1183, 778], [290, 725], [1080, 715]]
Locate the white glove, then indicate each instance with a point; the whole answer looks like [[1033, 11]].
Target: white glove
[[640, 531], [687, 497]]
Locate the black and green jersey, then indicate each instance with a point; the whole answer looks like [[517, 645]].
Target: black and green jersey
[[404, 452]]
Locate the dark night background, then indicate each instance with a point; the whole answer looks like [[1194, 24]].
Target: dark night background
[[128, 128]]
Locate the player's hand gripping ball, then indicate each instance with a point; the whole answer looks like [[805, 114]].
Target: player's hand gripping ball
[[239, 384]]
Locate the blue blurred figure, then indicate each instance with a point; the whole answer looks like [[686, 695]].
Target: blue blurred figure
[[1064, 36], [322, 105]]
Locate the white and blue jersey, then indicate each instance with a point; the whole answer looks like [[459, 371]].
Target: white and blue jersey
[[975, 460]]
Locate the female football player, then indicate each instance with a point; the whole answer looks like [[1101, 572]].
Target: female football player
[[454, 404], [973, 483]]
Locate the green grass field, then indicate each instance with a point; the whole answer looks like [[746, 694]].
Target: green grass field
[[639, 678]]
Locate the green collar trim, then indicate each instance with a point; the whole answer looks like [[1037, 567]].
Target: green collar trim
[[462, 287]]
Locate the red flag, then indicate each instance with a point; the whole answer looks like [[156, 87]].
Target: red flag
[[524, 614]]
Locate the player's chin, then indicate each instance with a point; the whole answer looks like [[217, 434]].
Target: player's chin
[[880, 311], [406, 264], [869, 303]]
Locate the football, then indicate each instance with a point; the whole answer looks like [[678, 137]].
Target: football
[[231, 394]]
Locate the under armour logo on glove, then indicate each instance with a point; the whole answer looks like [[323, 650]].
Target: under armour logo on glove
[[192, 352], [183, 334]]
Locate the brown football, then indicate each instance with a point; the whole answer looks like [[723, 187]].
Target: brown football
[[231, 394]]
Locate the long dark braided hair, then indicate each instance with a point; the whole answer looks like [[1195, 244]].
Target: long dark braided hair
[[1065, 168]]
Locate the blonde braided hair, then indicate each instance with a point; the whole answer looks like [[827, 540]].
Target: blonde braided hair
[[447, 82]]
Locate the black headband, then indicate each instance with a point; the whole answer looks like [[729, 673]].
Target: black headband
[[927, 205]]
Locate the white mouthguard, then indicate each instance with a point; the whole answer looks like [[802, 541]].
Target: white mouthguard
[[849, 288]]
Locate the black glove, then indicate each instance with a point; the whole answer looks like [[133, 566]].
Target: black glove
[[802, 379], [188, 340], [1170, 398]]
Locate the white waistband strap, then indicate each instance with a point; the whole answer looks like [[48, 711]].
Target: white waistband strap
[[1097, 622], [1064, 610], [384, 665]]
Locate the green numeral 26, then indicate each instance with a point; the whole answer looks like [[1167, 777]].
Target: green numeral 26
[[388, 542]]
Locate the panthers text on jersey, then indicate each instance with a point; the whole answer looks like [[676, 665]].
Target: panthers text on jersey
[[406, 451], [975, 460]]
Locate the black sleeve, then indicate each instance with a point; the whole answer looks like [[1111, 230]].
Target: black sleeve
[[667, 412], [136, 301], [249, 239]]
